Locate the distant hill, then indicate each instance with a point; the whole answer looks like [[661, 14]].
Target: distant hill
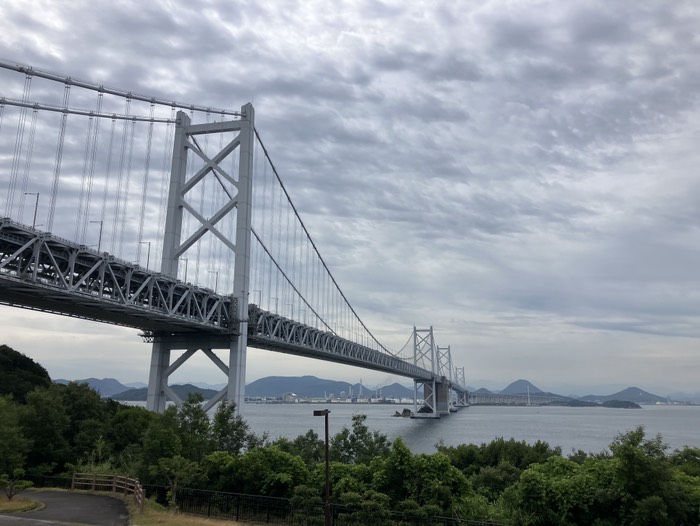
[[107, 387], [19, 374], [140, 395], [520, 387], [313, 387], [631, 394], [135, 385]]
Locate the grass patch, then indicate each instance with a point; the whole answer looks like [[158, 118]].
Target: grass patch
[[155, 515], [17, 505]]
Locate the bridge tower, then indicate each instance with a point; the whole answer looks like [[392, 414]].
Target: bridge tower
[[460, 379], [424, 356], [238, 203]]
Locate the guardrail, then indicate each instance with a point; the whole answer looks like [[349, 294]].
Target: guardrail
[[112, 483]]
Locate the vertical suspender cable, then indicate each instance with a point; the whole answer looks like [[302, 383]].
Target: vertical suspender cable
[[88, 171], [119, 201], [91, 167], [19, 139], [127, 185], [144, 193], [28, 160], [83, 180], [108, 173], [58, 158]]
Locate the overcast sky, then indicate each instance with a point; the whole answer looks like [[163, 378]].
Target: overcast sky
[[522, 175]]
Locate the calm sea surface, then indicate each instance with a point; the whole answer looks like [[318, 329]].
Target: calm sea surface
[[590, 429]]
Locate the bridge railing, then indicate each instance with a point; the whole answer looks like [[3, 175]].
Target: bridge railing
[[111, 483]]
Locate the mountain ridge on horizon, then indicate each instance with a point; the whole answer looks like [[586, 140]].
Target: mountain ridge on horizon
[[109, 387]]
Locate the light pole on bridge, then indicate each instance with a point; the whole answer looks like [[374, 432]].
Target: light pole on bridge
[[99, 239], [36, 205]]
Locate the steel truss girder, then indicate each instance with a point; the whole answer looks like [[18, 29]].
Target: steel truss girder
[[43, 272], [270, 331]]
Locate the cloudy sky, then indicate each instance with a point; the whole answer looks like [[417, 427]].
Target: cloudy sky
[[522, 175]]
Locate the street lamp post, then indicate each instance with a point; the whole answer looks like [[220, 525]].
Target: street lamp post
[[99, 239], [148, 255], [327, 503], [36, 205]]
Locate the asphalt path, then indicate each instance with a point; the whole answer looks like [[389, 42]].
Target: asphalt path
[[62, 507]]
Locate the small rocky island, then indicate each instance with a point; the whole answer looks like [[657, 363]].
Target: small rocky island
[[617, 404]]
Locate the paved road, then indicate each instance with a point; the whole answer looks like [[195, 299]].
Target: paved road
[[63, 508]]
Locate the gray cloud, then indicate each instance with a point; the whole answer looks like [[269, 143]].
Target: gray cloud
[[520, 175]]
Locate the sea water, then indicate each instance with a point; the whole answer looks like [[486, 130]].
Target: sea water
[[590, 429]]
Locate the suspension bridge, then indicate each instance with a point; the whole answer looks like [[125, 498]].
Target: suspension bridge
[[171, 218]]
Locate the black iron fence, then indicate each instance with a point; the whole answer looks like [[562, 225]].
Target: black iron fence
[[282, 512], [275, 510]]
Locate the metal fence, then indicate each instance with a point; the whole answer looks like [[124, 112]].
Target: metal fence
[[275, 510], [282, 512]]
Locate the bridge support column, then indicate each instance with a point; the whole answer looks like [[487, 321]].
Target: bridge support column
[[442, 398], [429, 407], [236, 371], [157, 378]]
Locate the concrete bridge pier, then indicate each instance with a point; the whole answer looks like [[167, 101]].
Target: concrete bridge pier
[[436, 399], [442, 398]]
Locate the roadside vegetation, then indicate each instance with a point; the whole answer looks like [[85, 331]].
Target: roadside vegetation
[[50, 429]]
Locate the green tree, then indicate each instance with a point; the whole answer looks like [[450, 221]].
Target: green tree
[[193, 427], [369, 507], [87, 417], [310, 447], [177, 470], [19, 374], [13, 484], [13, 444], [359, 444], [493, 480], [637, 486], [649, 481], [161, 440], [44, 419], [270, 471], [687, 460], [127, 426], [230, 432]]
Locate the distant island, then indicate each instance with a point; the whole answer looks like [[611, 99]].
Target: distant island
[[617, 404]]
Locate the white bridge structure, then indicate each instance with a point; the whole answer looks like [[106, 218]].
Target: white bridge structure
[[171, 218]]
